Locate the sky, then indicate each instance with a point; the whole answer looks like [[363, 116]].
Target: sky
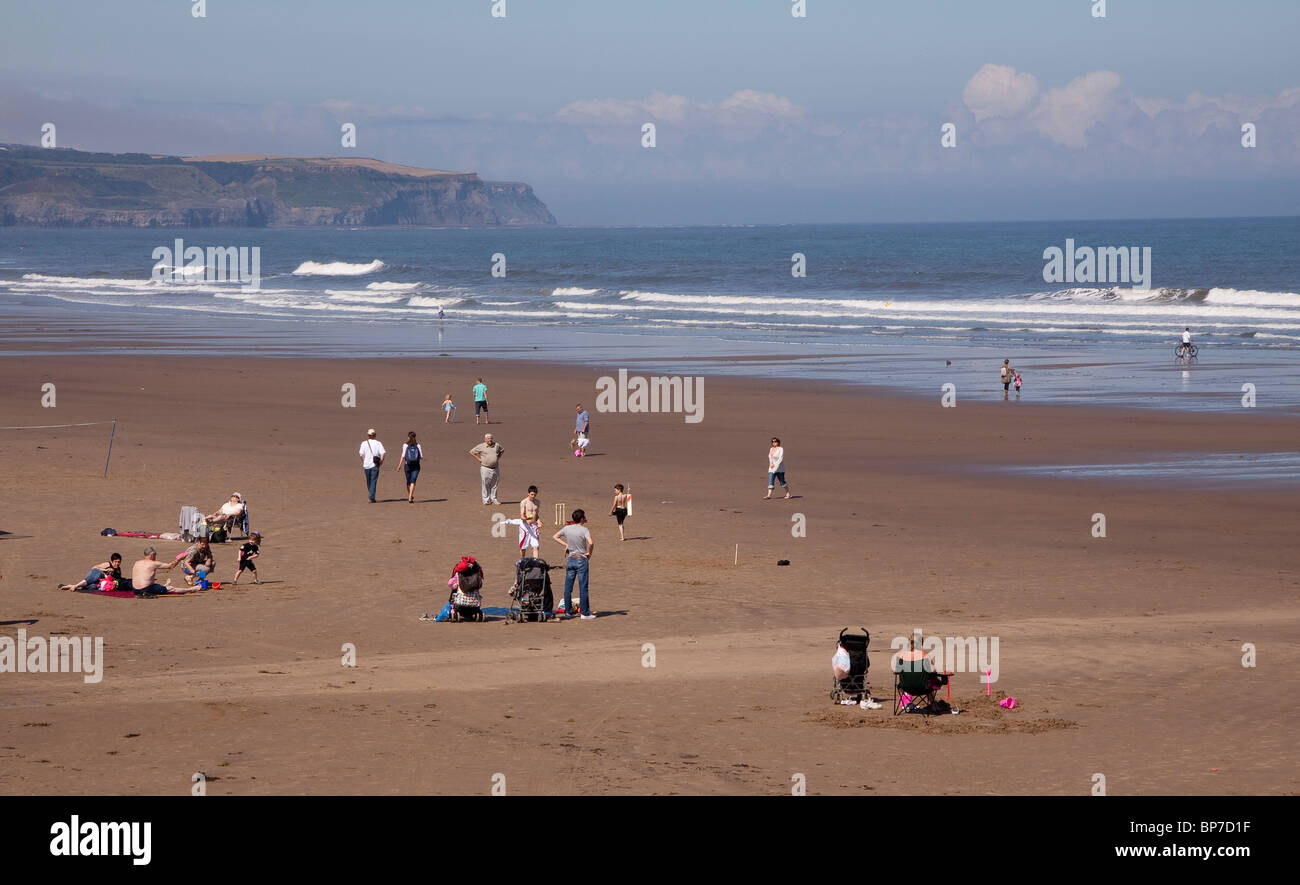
[[760, 116]]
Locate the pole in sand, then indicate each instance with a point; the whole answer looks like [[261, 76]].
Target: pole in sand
[[559, 513], [736, 558], [111, 437]]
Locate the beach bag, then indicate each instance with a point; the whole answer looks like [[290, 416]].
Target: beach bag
[[471, 581], [841, 664], [218, 536], [107, 583]]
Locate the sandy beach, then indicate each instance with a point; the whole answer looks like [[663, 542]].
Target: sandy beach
[[1124, 652]]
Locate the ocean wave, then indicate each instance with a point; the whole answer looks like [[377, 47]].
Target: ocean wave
[[393, 287], [337, 269], [572, 292], [362, 297]]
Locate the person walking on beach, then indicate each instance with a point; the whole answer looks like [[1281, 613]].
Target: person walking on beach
[[776, 468], [618, 509], [412, 456], [372, 458], [488, 455], [449, 410], [578, 545], [581, 425], [1017, 385], [1006, 377], [480, 402]]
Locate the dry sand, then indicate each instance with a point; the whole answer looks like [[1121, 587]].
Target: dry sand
[[1124, 652]]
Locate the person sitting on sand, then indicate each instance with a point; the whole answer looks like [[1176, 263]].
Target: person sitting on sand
[[229, 512], [110, 569], [914, 659], [143, 574], [198, 558]]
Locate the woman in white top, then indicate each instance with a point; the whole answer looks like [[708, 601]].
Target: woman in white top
[[229, 512], [776, 468]]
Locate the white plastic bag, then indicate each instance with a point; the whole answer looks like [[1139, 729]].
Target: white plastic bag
[[840, 664]]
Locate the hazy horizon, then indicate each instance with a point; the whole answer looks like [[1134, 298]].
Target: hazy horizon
[[761, 117]]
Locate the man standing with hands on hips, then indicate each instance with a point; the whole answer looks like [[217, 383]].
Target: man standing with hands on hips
[[488, 455], [372, 456], [578, 544]]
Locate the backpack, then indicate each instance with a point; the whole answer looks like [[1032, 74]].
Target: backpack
[[413, 454], [469, 575]]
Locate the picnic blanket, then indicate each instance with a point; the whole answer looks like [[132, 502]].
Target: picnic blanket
[[158, 536], [116, 594]]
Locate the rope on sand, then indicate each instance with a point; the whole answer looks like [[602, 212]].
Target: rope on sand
[[111, 436], [52, 426]]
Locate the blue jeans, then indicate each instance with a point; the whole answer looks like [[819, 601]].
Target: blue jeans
[[576, 567], [372, 480], [771, 477]]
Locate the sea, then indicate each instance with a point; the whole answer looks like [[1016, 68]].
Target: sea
[[907, 308]]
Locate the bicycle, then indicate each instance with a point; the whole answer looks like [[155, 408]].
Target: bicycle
[[1185, 350]]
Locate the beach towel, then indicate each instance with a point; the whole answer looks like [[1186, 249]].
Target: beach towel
[[527, 533], [153, 535], [116, 594]]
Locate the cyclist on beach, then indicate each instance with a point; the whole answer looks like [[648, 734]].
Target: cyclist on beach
[[1187, 341]]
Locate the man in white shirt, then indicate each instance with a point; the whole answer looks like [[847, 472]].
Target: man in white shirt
[[372, 457]]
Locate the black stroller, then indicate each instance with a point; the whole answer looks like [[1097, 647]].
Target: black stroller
[[531, 598], [854, 685]]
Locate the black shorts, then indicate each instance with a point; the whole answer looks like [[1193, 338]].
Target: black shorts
[[480, 405], [247, 564], [620, 514]]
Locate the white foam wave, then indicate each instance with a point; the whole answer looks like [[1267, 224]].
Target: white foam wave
[[1250, 296], [362, 297], [572, 292], [337, 268], [392, 287]]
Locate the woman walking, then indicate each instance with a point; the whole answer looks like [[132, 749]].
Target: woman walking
[[412, 456], [776, 468]]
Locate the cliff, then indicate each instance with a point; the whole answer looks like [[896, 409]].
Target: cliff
[[49, 187]]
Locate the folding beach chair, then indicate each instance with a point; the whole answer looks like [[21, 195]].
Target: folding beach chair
[[915, 684]]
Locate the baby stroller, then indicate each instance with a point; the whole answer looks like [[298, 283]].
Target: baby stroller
[[853, 684], [466, 584], [530, 597]]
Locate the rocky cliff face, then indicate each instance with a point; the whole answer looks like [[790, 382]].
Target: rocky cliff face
[[61, 188]]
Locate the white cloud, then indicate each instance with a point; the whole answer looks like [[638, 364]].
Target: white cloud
[[1065, 115], [998, 91]]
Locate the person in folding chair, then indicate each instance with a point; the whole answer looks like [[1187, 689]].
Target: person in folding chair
[[915, 681]]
